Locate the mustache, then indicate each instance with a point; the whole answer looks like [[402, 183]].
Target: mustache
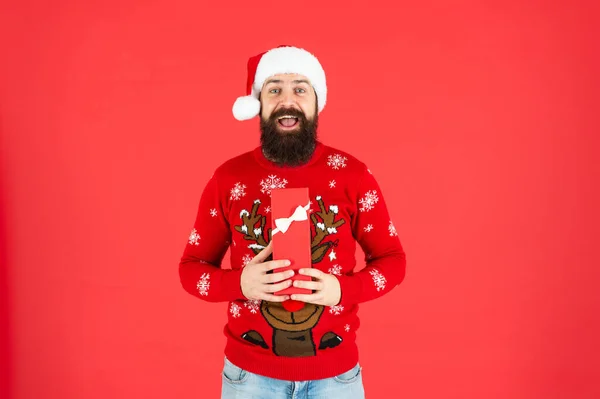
[[296, 113]]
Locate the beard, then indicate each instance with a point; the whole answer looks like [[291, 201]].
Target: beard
[[289, 148]]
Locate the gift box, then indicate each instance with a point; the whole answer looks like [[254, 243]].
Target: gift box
[[291, 235]]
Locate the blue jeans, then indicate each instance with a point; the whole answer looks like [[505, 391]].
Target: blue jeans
[[238, 383]]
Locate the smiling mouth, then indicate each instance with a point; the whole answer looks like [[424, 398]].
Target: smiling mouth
[[288, 122]]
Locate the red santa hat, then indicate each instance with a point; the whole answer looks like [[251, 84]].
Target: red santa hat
[[282, 59]]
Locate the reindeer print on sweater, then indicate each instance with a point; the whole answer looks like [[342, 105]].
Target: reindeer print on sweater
[[292, 331]]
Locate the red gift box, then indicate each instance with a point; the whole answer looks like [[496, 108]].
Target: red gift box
[[291, 236]]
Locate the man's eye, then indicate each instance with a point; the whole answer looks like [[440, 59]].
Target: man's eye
[[274, 91], [300, 90]]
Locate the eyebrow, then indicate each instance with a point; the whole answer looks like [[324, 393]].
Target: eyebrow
[[293, 81]]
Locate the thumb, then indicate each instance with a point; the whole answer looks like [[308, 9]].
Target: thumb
[[264, 254]]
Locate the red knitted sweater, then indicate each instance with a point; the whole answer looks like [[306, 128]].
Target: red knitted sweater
[[234, 213]]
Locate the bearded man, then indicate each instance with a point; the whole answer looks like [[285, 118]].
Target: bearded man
[[277, 351]]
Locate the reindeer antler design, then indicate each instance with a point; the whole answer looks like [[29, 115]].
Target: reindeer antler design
[[323, 229], [252, 233]]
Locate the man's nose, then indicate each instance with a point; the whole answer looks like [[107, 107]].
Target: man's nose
[[287, 98]]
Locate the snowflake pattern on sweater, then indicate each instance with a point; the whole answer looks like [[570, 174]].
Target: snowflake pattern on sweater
[[235, 309], [194, 237], [368, 201], [336, 270], [246, 259], [253, 305], [378, 279], [336, 310], [238, 191], [336, 161], [271, 183], [392, 229], [203, 284]]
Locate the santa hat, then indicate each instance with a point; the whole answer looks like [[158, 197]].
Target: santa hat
[[282, 59]]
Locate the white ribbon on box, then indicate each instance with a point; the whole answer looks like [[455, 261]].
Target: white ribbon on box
[[283, 224]]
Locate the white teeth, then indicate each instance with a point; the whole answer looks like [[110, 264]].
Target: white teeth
[[287, 117]]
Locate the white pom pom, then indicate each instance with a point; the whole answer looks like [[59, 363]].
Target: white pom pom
[[246, 107]]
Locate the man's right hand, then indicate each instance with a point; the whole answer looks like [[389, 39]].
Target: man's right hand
[[256, 283]]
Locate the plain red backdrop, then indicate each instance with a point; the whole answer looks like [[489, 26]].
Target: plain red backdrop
[[479, 119]]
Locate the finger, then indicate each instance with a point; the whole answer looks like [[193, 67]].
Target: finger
[[309, 285], [278, 286], [276, 277], [316, 273], [264, 254], [316, 298], [274, 298], [275, 264]]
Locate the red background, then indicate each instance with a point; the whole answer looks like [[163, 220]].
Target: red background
[[479, 119]]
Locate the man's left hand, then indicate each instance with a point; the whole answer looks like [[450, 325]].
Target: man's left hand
[[326, 286]]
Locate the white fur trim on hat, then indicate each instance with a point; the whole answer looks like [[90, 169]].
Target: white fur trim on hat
[[246, 107], [278, 61]]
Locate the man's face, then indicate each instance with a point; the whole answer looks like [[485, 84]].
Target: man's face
[[288, 119], [287, 92]]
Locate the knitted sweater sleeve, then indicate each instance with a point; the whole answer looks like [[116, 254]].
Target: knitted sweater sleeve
[[200, 269], [375, 232]]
